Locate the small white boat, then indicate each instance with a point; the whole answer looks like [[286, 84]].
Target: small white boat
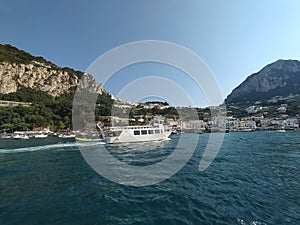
[[40, 136], [281, 130], [127, 134], [20, 136], [66, 135], [6, 136]]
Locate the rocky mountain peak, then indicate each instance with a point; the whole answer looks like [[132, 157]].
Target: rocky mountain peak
[[283, 65], [280, 78]]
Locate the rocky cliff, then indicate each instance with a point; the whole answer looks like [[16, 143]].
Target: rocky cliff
[[18, 68], [280, 78]]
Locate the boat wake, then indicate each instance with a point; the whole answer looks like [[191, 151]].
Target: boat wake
[[55, 147]]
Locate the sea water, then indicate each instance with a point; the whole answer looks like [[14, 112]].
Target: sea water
[[253, 180]]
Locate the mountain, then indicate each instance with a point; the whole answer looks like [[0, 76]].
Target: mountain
[[281, 78], [20, 69], [47, 89]]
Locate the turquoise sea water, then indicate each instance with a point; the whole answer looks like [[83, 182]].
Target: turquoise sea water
[[253, 180]]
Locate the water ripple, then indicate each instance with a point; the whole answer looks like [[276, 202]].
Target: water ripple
[[253, 181]]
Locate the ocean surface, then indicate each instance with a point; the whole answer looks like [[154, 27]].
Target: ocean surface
[[255, 179]]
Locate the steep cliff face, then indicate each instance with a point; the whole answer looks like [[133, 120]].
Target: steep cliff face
[[18, 68], [280, 78]]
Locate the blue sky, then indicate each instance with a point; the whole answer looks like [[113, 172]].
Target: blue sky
[[235, 38]]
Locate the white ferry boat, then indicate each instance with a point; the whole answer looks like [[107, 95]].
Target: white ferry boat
[[127, 134]]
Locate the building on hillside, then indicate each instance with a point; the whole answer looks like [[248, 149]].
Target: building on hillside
[[247, 125], [291, 123], [13, 103]]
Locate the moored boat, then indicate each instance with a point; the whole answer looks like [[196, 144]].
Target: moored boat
[[70, 135], [20, 135], [40, 136], [281, 130], [82, 139]]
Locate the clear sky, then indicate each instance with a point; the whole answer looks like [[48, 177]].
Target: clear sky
[[235, 37]]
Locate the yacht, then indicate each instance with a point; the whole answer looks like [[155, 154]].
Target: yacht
[[20, 135]]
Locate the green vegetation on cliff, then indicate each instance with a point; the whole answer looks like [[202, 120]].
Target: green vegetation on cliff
[[45, 110], [12, 54]]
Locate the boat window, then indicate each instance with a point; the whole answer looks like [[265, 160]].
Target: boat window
[[136, 132], [117, 133], [150, 131], [144, 132], [157, 131]]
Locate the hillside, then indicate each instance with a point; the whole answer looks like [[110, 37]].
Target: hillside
[[48, 87], [281, 78], [20, 69]]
